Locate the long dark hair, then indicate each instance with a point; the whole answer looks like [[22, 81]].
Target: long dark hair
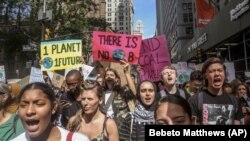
[[45, 89], [117, 84]]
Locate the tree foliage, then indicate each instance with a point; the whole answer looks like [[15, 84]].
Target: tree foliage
[[69, 16]]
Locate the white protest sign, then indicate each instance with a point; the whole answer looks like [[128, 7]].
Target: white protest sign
[[230, 71], [2, 74], [36, 75], [86, 70], [50, 74]]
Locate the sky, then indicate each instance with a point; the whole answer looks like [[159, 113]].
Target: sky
[[145, 10]]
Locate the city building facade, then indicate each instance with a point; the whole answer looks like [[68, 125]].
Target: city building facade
[[119, 13], [227, 36], [175, 20]]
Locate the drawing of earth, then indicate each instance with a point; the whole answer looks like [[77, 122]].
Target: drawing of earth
[[183, 78], [118, 54], [47, 62]]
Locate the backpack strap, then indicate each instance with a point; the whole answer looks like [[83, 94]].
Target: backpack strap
[[200, 105], [182, 93], [234, 101], [69, 136], [200, 101]]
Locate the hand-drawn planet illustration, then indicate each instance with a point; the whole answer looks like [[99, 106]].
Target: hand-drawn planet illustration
[[47, 62], [118, 54]]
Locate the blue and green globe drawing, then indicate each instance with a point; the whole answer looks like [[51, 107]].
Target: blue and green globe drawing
[[118, 54], [47, 62], [183, 78]]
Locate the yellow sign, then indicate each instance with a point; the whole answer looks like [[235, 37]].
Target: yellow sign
[[57, 55]]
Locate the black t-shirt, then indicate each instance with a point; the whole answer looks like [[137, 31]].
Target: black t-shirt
[[179, 92], [66, 113], [215, 110]]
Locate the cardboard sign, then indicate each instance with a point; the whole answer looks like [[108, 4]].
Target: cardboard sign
[[86, 70], [57, 55], [113, 47], [2, 74], [57, 80], [23, 82], [36, 75], [230, 71], [154, 56]]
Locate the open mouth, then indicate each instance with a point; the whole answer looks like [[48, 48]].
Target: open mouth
[[148, 99], [170, 78], [32, 125], [217, 81]]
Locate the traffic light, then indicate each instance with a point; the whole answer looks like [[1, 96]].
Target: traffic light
[[47, 34], [198, 54]]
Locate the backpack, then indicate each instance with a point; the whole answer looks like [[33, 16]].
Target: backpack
[[182, 93]]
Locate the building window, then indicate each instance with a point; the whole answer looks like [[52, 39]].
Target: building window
[[190, 6], [109, 5], [185, 17], [184, 6], [109, 14], [109, 9], [121, 23], [190, 16], [189, 30], [121, 28]]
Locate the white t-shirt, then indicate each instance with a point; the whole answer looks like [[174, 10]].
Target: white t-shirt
[[110, 112], [76, 136]]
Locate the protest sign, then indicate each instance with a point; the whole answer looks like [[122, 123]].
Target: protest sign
[[50, 74], [154, 56], [23, 82], [36, 75], [112, 47], [58, 55], [230, 71], [2, 74], [86, 70], [57, 80]]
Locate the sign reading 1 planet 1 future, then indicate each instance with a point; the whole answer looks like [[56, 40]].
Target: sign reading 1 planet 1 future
[[57, 55], [112, 47]]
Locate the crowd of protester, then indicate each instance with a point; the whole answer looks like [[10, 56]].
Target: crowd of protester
[[103, 109]]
